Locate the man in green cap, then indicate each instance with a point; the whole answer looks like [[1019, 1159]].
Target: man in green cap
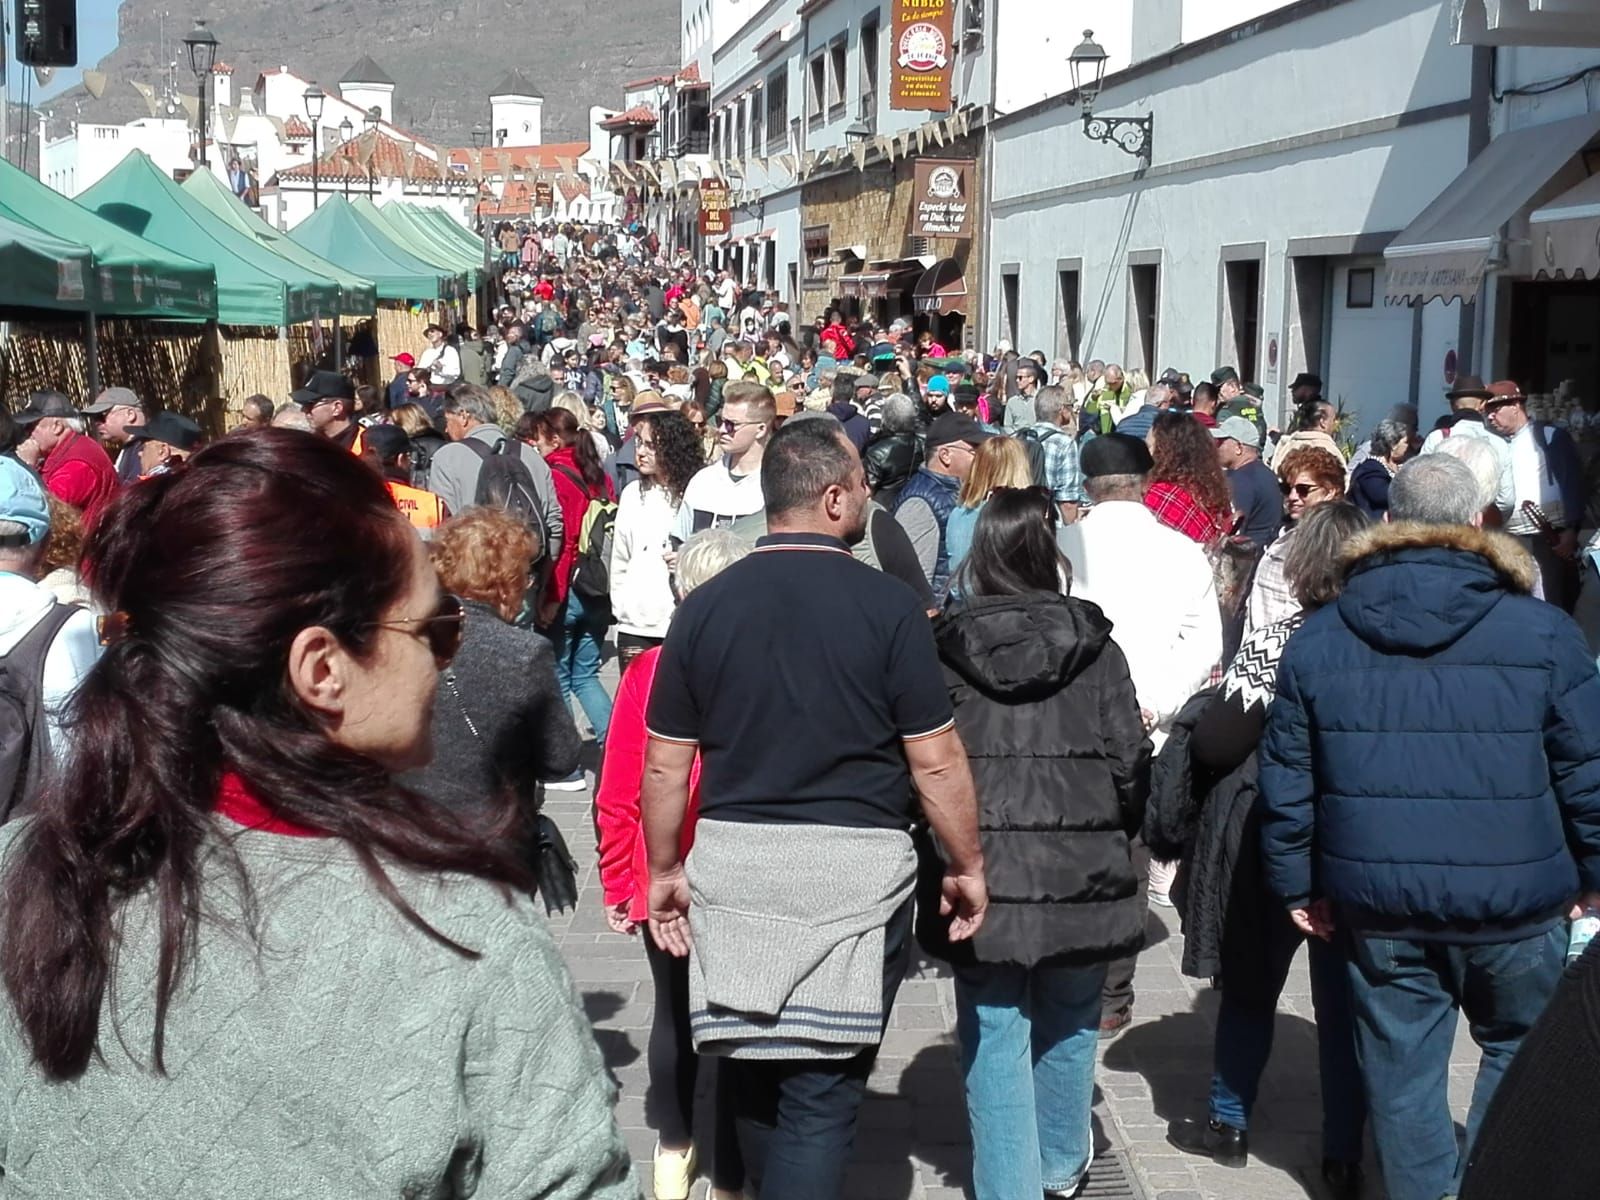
[[1238, 400]]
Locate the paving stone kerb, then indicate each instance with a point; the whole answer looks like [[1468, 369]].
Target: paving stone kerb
[[913, 1143]]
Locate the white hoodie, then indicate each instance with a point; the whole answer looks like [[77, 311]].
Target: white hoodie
[[641, 584], [74, 651]]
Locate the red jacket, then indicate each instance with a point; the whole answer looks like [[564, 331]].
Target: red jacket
[[573, 501], [840, 336], [79, 472], [624, 866]]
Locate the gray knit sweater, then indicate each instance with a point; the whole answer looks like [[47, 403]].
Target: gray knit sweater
[[348, 1056]]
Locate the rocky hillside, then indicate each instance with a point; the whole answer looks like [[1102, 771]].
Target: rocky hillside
[[442, 56]]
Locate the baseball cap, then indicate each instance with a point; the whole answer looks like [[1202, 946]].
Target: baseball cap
[[112, 397], [1240, 430], [939, 384], [174, 429], [1115, 454], [22, 500], [44, 404], [405, 360], [323, 385], [955, 427]]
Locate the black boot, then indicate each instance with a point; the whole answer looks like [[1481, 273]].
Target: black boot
[[1344, 1179], [1223, 1144]]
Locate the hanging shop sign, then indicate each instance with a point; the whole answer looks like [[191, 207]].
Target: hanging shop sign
[[544, 195], [715, 216], [942, 200], [922, 55]]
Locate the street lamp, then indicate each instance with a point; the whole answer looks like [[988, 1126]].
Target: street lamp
[[1132, 135], [315, 98], [202, 44]]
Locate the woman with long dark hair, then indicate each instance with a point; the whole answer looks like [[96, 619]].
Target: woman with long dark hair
[[1046, 709], [226, 932], [667, 450], [1187, 489], [576, 627]]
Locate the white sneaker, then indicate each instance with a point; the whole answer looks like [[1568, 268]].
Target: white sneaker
[[572, 783], [674, 1173]]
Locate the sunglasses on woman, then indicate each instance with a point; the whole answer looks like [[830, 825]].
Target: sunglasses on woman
[[1303, 490], [442, 631]]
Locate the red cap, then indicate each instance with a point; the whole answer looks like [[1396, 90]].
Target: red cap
[[405, 360], [1505, 389]]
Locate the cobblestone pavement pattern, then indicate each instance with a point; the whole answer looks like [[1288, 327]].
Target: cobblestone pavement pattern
[[913, 1142]]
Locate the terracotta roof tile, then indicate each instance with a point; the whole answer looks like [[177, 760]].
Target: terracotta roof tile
[[639, 114]]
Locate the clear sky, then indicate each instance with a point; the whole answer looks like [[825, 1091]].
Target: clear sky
[[97, 37]]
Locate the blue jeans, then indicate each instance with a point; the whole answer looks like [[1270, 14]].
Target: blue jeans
[[577, 638], [1245, 1024], [1028, 1037], [1405, 995]]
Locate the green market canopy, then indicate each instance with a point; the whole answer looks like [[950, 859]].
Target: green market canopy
[[358, 297], [335, 232], [254, 285], [132, 277], [421, 240], [40, 270], [469, 240]]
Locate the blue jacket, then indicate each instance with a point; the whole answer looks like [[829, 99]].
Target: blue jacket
[[939, 492], [1432, 761]]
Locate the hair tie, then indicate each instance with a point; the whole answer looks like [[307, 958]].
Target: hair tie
[[115, 627]]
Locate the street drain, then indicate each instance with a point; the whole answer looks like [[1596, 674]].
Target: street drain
[[1110, 1179]]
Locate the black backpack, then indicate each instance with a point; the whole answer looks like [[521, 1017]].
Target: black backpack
[[24, 741], [504, 482], [1033, 440]]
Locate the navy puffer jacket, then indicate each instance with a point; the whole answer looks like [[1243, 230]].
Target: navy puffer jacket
[[1432, 760]]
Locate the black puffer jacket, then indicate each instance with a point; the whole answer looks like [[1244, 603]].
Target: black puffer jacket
[[1047, 711]]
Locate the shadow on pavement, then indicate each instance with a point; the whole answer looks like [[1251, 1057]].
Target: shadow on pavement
[[616, 1045], [1173, 1054]]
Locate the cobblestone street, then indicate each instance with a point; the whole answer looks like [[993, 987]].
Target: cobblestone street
[[913, 1140]]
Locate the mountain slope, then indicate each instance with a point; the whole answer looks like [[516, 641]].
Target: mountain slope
[[442, 57]]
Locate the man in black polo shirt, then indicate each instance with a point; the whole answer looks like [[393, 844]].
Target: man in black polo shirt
[[811, 734]]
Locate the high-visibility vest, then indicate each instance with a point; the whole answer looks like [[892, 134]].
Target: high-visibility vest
[[358, 447], [423, 509]]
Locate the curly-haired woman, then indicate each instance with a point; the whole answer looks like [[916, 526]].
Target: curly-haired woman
[[1187, 489], [1309, 476], [668, 452]]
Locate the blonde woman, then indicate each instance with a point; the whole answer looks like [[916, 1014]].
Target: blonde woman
[[507, 408], [1000, 462], [575, 405]]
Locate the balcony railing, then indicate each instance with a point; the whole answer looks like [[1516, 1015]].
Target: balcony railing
[[691, 143]]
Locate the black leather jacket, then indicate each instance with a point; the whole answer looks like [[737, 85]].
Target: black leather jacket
[[890, 460]]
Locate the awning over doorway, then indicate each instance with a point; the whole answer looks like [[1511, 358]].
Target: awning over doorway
[[1444, 253], [876, 284], [942, 288], [1566, 234]]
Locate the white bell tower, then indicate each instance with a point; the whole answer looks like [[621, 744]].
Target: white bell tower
[[516, 112]]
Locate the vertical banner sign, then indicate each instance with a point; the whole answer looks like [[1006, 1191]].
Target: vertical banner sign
[[941, 204], [921, 66], [714, 213], [544, 195]]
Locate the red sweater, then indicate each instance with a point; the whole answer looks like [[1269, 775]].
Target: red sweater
[[573, 501], [624, 866]]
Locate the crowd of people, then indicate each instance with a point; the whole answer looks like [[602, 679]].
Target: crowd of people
[[977, 655]]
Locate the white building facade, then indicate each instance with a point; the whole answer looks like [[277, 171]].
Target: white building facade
[[1294, 147]]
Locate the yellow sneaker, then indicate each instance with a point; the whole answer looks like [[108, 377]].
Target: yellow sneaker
[[674, 1173]]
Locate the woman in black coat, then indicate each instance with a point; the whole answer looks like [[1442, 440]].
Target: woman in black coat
[[1047, 712], [499, 723], [1203, 808]]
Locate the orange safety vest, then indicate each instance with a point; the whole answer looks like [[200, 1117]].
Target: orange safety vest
[[423, 509], [358, 447]]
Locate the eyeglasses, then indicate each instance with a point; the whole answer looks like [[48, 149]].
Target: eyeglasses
[[1303, 490], [727, 426], [442, 631]]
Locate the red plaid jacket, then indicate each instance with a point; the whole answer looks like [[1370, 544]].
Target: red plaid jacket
[[1174, 506]]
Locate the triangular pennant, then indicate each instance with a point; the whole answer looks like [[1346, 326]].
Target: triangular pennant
[[94, 82], [859, 151], [148, 92]]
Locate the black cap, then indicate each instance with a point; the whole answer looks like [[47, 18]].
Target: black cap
[[1224, 375], [949, 427], [1115, 454], [174, 429], [1306, 379], [965, 390], [44, 404], [388, 442], [323, 385]]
